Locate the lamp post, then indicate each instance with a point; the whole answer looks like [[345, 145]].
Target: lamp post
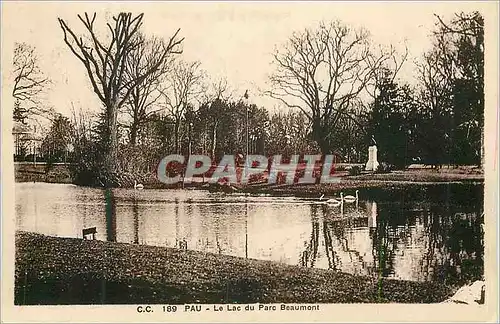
[[408, 135], [190, 127], [246, 229], [34, 145], [247, 134], [246, 107], [246, 157]]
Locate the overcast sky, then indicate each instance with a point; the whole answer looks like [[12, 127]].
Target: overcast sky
[[234, 40]]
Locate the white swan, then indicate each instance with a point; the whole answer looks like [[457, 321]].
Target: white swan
[[350, 199], [138, 186], [336, 202], [322, 196]]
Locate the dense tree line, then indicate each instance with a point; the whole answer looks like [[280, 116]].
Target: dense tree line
[[441, 120], [338, 91]]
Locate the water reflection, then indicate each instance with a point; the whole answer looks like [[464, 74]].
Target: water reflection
[[426, 234], [110, 215], [135, 211]]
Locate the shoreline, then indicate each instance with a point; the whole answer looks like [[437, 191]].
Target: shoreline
[[51, 270], [313, 191], [395, 179]]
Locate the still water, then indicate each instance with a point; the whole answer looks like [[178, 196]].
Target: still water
[[422, 233]]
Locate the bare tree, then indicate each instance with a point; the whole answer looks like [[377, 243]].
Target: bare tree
[[436, 77], [82, 119], [29, 83], [106, 60], [217, 92], [386, 71], [321, 72], [451, 78], [218, 89], [185, 85], [466, 33], [144, 97]]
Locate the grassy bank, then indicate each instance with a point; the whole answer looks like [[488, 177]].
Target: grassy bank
[[395, 179], [53, 270], [40, 172]]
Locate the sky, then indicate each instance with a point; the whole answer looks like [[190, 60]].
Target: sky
[[234, 40]]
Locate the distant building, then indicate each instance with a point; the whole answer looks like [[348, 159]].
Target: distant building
[[26, 141]]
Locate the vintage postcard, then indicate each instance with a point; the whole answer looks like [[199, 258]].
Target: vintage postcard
[[249, 161]]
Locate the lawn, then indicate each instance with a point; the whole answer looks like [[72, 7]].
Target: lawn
[[52, 270]]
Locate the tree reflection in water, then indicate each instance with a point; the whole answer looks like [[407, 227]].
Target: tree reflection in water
[[310, 253], [330, 251], [135, 212], [424, 233], [110, 215], [457, 237], [428, 234]]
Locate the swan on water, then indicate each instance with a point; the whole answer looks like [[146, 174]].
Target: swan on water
[[138, 186], [336, 202], [350, 198]]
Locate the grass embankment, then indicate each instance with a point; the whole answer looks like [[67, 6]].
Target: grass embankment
[[27, 172], [53, 270], [395, 179], [40, 172]]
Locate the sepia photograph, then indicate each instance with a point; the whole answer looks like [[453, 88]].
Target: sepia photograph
[[222, 160]]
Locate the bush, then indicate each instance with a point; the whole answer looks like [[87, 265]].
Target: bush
[[89, 168], [355, 170], [384, 167]]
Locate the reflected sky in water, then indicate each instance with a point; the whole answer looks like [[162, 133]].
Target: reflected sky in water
[[423, 233]]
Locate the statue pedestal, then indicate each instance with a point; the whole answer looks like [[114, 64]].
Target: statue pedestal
[[372, 163]]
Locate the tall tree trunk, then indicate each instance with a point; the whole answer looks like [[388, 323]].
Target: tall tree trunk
[[134, 128], [176, 136], [111, 145], [136, 111], [319, 136], [214, 139], [481, 129]]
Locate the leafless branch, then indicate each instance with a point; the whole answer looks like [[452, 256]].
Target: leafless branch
[[322, 71], [29, 83]]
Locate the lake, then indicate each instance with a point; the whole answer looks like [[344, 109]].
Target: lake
[[420, 233]]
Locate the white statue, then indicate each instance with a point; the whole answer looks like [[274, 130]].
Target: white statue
[[372, 163]]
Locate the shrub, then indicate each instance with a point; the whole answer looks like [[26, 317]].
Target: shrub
[[355, 170], [87, 171], [384, 167]]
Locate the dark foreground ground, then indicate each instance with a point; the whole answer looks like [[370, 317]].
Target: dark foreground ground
[[53, 270]]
